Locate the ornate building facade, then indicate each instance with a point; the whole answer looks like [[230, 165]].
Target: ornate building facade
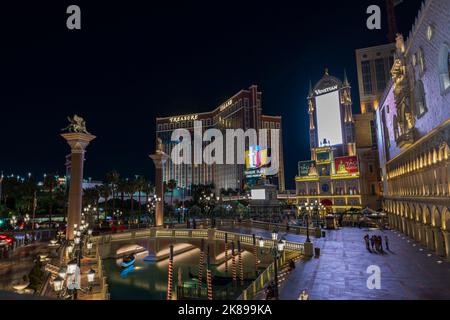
[[332, 176], [413, 131]]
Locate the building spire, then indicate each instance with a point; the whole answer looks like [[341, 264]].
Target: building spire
[[346, 83]]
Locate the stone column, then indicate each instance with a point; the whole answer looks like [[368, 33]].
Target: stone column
[[403, 226], [413, 229], [430, 241], [159, 159], [438, 241], [423, 239], [78, 143], [419, 232], [446, 235]]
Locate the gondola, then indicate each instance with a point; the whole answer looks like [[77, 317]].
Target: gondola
[[150, 258], [125, 271], [128, 261], [216, 280]]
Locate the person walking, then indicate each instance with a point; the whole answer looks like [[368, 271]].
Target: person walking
[[366, 239], [380, 244], [386, 241]]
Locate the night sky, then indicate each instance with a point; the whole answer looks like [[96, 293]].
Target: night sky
[[135, 60]]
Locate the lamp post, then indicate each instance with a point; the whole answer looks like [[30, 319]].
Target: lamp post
[[276, 250], [68, 282], [209, 203], [308, 211], [151, 207]]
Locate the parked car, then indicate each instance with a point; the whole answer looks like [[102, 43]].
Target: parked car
[[6, 240]]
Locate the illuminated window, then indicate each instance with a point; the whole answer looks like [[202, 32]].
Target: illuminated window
[[421, 60], [414, 60], [419, 98], [367, 77], [444, 67], [430, 33]]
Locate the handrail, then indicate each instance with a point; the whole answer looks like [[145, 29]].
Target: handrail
[[266, 276], [211, 234]]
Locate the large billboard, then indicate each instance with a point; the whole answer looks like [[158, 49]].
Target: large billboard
[[256, 158], [307, 169], [329, 124], [346, 165]]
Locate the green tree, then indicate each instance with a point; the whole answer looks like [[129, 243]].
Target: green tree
[[131, 189], [140, 185], [147, 189], [91, 197], [171, 186], [122, 188], [105, 193], [50, 183], [112, 178]]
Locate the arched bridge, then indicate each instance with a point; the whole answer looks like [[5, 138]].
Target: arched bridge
[[159, 240]]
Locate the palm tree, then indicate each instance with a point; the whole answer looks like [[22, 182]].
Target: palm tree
[[112, 178], [92, 197], [122, 189], [50, 183], [147, 189], [171, 186], [131, 189], [105, 193], [140, 185]]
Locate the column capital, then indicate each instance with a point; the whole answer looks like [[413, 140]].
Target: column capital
[[159, 159], [78, 141]]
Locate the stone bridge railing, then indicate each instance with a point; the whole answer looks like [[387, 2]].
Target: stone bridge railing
[[207, 234]]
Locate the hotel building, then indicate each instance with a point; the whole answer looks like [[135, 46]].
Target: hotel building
[[332, 176], [241, 111], [413, 131], [373, 66]]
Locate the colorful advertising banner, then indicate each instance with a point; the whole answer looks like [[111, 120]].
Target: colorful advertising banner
[[256, 158], [346, 165], [323, 156], [307, 169]]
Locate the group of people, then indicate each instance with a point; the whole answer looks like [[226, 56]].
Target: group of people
[[375, 243]]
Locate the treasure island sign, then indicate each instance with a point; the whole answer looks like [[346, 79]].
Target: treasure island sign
[[193, 117]]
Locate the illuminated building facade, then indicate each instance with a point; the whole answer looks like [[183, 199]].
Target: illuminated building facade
[[242, 111], [413, 128], [373, 65], [332, 176]]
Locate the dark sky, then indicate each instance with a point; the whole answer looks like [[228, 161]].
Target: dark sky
[[135, 60]]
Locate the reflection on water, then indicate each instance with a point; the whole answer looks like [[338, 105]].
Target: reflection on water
[[148, 280]]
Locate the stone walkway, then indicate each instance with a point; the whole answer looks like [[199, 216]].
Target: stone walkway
[[408, 271]]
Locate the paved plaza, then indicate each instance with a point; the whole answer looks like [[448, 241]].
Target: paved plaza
[[408, 272]]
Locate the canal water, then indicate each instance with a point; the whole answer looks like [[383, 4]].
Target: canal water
[[148, 280]]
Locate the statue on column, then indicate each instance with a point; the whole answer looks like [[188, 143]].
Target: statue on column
[[76, 125], [159, 146]]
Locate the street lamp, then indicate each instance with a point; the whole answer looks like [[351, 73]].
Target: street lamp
[[308, 208], [274, 235], [62, 272], [261, 243], [58, 284], [91, 278], [276, 250], [72, 267]]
